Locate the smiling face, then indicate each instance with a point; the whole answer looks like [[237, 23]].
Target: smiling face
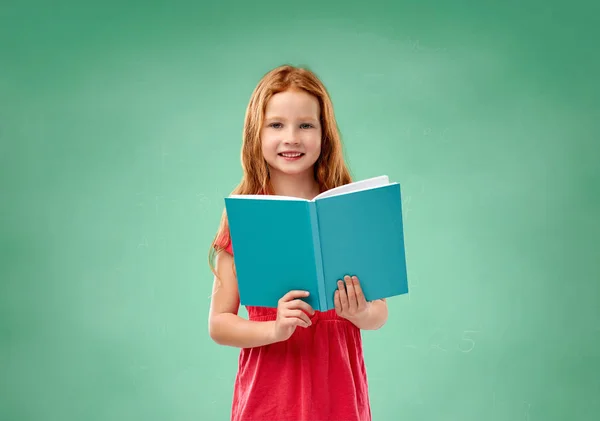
[[291, 133]]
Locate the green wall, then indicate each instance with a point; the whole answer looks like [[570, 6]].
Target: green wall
[[120, 130]]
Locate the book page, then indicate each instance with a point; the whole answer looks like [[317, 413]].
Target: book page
[[369, 183], [265, 197]]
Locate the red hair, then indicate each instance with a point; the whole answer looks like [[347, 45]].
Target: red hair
[[330, 169]]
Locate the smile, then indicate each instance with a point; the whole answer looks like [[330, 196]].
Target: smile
[[291, 155]]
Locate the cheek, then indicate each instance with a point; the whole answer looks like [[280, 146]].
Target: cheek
[[268, 144], [315, 144]]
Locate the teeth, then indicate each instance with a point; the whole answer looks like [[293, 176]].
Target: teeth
[[291, 155]]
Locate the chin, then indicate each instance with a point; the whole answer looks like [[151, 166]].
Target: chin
[[292, 171], [295, 168]]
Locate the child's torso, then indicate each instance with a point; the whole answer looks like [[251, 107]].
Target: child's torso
[[317, 374]]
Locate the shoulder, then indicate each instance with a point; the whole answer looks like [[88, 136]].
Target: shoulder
[[224, 241]]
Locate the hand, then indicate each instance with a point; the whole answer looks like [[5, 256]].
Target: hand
[[349, 300], [291, 312]]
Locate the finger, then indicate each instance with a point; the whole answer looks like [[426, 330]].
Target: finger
[[294, 321], [299, 314], [302, 323], [302, 305], [352, 305], [293, 295], [360, 296], [336, 302], [343, 296]]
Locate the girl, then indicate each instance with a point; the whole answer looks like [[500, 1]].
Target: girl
[[295, 363]]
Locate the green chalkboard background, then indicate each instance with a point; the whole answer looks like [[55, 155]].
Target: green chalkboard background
[[120, 130]]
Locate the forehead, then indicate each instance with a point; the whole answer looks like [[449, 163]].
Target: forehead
[[292, 103]]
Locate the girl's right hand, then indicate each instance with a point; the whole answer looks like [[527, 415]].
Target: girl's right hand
[[291, 313]]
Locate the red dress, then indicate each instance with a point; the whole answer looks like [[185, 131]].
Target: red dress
[[318, 374]]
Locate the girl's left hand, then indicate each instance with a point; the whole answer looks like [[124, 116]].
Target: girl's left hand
[[349, 300]]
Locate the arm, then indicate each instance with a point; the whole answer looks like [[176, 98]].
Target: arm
[[227, 328], [224, 325]]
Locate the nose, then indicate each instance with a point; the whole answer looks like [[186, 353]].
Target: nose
[[291, 137]]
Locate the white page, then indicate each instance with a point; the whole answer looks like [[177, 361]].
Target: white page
[[266, 197], [369, 183]]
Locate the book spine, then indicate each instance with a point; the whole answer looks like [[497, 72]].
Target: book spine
[[314, 223]]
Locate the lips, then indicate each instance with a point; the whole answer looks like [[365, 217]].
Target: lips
[[290, 154]]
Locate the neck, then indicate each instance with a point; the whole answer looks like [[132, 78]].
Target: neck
[[303, 186]]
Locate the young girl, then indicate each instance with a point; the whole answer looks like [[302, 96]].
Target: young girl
[[295, 363]]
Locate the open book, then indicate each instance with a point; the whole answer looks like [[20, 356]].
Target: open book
[[285, 243]]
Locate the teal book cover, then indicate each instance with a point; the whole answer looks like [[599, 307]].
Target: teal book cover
[[284, 243]]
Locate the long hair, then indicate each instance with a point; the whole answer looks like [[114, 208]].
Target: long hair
[[330, 169]]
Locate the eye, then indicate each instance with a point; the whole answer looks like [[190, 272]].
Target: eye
[[306, 125], [275, 125]]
